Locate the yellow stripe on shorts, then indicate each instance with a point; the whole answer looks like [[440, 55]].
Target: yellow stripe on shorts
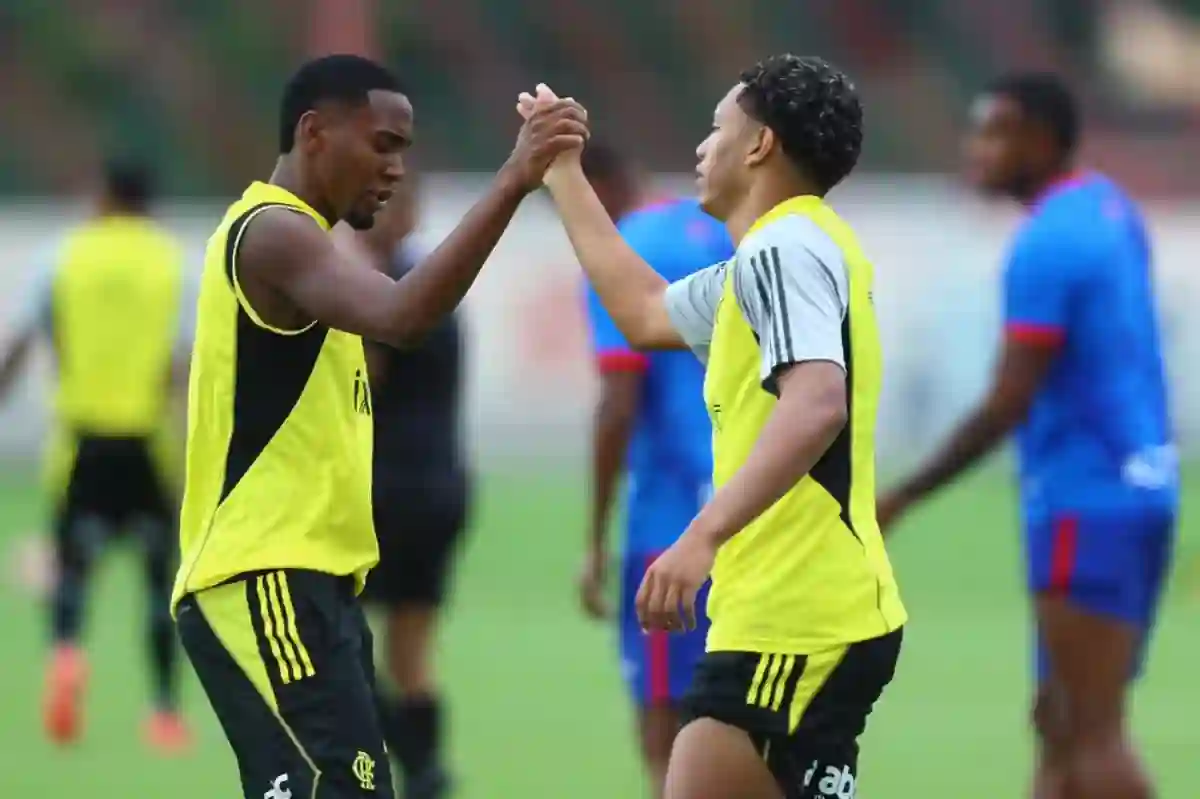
[[268, 625]]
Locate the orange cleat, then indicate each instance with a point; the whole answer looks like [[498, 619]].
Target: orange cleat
[[166, 732], [65, 681]]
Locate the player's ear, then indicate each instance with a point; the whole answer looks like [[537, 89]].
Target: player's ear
[[309, 129], [762, 141]]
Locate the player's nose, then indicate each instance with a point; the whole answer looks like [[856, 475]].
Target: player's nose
[[393, 170]]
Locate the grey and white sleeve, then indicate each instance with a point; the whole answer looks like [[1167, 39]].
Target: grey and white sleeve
[[794, 288], [692, 305]]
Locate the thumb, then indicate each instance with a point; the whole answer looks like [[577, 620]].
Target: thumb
[[545, 94]]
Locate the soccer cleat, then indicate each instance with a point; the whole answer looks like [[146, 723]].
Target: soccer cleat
[[65, 682], [166, 732]]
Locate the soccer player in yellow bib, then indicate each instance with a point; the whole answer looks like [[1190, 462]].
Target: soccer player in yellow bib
[[806, 617], [276, 531], [110, 307]]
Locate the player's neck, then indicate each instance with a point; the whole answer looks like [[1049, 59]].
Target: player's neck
[[1039, 189], [288, 176], [761, 198]]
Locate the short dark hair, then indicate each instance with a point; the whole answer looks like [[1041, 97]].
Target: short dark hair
[[129, 183], [340, 78], [813, 108], [1045, 99], [601, 160]]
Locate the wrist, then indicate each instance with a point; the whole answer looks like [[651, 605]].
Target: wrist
[[707, 531], [561, 172], [512, 182]]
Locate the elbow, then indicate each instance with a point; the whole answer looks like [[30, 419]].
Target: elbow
[[830, 408], [834, 415], [405, 333]]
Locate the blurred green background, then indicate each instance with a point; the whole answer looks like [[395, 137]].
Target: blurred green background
[[538, 705]]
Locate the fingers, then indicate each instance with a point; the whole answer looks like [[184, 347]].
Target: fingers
[[669, 613], [663, 604], [648, 598], [688, 606], [529, 106]]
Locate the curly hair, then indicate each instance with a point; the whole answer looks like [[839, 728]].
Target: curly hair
[[814, 110]]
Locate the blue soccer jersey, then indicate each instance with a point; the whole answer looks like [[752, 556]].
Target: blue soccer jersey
[[1099, 478], [669, 463], [1098, 437]]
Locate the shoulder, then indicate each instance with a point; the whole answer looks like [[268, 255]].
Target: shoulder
[[797, 247], [791, 234], [1060, 232], [277, 232]]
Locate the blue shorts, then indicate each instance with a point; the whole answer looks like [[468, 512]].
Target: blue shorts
[[657, 666], [1113, 565]]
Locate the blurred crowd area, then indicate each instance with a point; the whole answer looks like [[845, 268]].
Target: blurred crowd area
[[192, 86], [195, 82]]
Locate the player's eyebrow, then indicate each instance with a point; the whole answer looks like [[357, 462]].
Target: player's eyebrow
[[393, 137]]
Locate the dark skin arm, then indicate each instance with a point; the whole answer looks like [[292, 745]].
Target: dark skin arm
[[613, 426], [1023, 367], [15, 358], [292, 273]]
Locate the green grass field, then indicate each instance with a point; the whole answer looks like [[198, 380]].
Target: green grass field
[[538, 707]]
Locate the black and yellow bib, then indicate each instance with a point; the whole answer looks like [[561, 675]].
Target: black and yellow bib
[[811, 572], [279, 432]]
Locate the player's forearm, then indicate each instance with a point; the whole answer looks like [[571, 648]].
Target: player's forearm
[[981, 433], [426, 294], [613, 427], [632, 292], [801, 429], [13, 362]]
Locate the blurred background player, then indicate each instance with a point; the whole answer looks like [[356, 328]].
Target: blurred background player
[[651, 425], [110, 306], [421, 499], [1081, 380]]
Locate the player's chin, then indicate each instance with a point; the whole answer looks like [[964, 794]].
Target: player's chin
[[361, 220], [710, 202]]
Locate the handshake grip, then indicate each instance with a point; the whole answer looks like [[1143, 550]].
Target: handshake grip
[[552, 129]]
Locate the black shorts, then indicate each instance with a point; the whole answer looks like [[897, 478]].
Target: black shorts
[[116, 481], [419, 533], [285, 658], [803, 712]]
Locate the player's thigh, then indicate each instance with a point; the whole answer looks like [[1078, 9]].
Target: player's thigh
[[715, 760], [1100, 577], [301, 644]]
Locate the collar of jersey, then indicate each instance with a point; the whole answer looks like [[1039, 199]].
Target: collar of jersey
[[286, 196], [792, 205]]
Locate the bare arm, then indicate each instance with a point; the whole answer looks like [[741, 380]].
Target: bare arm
[[1023, 366], [613, 426], [810, 414], [14, 360], [292, 256], [632, 292]]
